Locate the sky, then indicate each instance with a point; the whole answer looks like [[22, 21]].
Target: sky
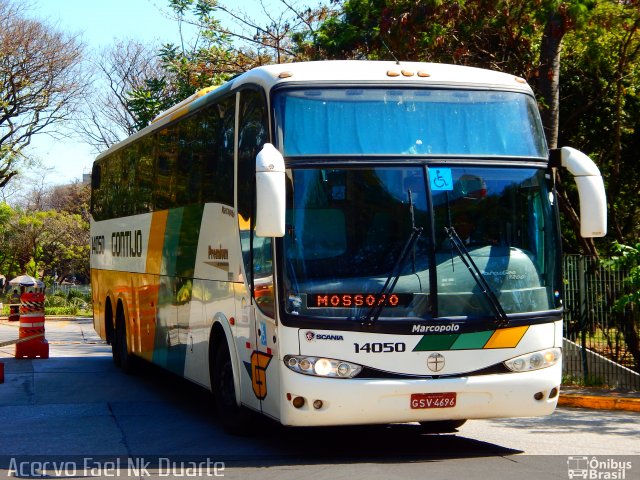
[[99, 24]]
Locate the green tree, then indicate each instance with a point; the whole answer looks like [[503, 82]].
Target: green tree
[[43, 243], [64, 247], [7, 263], [600, 110], [49, 236], [217, 53], [186, 67], [490, 34]]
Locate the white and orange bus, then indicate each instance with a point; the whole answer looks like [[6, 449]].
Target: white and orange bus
[[345, 242]]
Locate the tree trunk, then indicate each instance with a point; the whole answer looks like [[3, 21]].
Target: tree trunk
[[549, 76], [549, 88], [630, 332], [587, 244]]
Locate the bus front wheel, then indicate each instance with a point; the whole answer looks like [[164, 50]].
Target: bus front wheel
[[234, 418]]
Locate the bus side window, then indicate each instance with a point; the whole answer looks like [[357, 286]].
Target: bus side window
[[217, 126], [97, 193], [145, 167], [130, 187], [189, 167], [166, 173], [252, 135]]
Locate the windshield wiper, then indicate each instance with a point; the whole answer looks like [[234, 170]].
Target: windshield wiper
[[374, 312], [485, 288]]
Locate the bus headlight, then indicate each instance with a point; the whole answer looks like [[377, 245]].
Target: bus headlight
[[535, 360], [322, 367]]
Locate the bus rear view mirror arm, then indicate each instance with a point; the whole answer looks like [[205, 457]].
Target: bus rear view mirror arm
[[270, 192], [593, 199]]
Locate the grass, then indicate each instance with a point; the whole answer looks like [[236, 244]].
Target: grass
[[590, 381], [596, 341]]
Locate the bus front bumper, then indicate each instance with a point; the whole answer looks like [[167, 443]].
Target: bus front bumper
[[380, 401]]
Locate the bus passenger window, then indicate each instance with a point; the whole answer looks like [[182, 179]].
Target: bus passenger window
[[256, 251]]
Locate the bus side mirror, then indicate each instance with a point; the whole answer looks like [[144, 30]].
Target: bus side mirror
[[593, 199], [270, 192]]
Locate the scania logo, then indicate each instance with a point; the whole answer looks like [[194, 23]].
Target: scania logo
[[321, 336], [435, 362]]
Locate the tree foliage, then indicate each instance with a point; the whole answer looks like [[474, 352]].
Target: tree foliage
[[40, 82], [186, 67], [627, 304], [49, 239], [600, 108], [216, 53]]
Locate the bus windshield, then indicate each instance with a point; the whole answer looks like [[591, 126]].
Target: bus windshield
[[384, 121], [346, 228]]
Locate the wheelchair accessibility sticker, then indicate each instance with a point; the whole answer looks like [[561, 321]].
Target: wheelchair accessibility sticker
[[440, 179]]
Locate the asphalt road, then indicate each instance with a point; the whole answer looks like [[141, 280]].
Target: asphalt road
[[87, 419]]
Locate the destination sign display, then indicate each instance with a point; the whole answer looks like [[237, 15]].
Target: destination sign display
[[353, 300]]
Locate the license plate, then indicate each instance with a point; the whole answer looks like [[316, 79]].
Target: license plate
[[433, 400]]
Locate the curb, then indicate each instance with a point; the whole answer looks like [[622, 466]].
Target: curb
[[599, 402]]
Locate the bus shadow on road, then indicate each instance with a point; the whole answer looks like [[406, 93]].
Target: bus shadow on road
[[271, 444], [373, 444]]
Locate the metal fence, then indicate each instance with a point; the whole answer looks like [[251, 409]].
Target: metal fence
[[52, 289], [599, 340]]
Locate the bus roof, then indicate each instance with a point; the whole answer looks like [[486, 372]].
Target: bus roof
[[381, 71], [358, 72]]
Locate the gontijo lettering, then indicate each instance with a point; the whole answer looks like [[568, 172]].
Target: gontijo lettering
[[127, 243]]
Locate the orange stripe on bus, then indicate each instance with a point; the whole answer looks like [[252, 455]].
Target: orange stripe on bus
[[506, 337], [156, 241]]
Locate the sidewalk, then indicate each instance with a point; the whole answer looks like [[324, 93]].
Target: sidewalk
[[599, 399], [72, 337], [67, 337]]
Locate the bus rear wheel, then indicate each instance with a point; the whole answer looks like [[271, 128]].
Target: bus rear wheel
[[234, 418], [111, 336], [121, 356], [442, 426]]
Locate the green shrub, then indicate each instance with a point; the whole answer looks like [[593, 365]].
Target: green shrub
[[55, 300], [70, 311]]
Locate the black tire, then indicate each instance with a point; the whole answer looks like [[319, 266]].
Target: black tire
[[234, 419], [115, 348], [126, 360], [115, 351], [112, 336], [442, 426]]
